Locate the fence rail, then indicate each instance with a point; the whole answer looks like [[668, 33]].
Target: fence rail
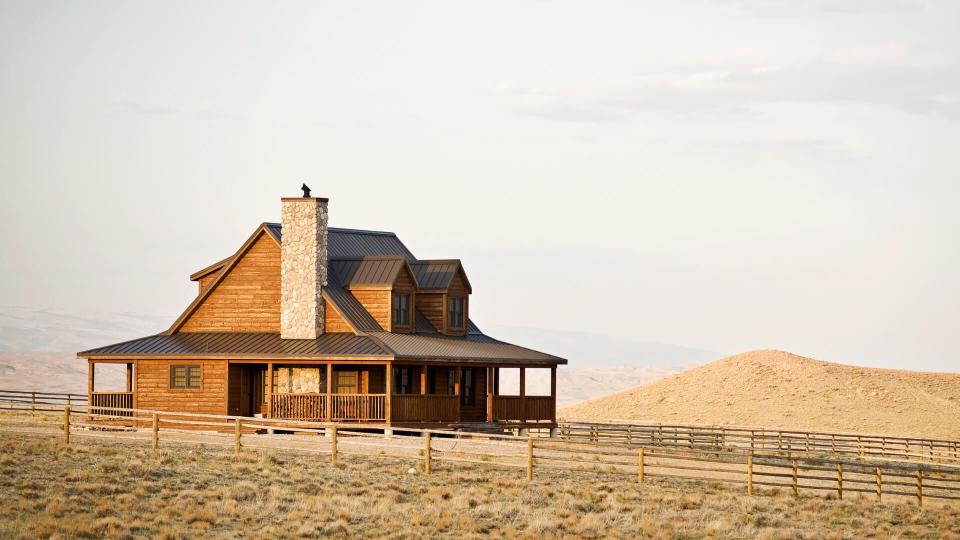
[[758, 439], [753, 470]]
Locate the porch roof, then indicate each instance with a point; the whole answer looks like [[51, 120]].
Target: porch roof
[[472, 348]]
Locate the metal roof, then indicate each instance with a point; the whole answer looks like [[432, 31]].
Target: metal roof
[[242, 344], [435, 274], [345, 243], [351, 308], [367, 270], [469, 348]]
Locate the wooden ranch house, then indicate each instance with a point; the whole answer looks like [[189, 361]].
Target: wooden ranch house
[[310, 322]]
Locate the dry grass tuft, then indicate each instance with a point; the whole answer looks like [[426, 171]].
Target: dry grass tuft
[[99, 490]]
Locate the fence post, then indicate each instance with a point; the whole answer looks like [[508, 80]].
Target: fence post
[[156, 432], [840, 481], [640, 465], [426, 455], [860, 448], [529, 458], [629, 435], [236, 432], [69, 398], [796, 488], [66, 425], [333, 445], [33, 402], [833, 443], [879, 485], [750, 474], [751, 439], [919, 488]]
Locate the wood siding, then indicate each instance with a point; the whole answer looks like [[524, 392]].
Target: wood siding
[[404, 285], [377, 303], [206, 280], [248, 298], [333, 321], [431, 305], [154, 392]]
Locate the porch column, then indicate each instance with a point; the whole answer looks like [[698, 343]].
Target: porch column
[[489, 394], [423, 380], [523, 394], [269, 391], [129, 377], [329, 404], [457, 377], [553, 391], [90, 379], [386, 408]]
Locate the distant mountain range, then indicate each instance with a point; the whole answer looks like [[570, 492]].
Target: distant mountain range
[[38, 347]]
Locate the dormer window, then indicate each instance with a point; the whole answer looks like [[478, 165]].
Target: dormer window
[[455, 319], [401, 310]]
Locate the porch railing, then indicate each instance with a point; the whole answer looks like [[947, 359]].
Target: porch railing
[[118, 400], [300, 406], [423, 408], [523, 409], [341, 407]]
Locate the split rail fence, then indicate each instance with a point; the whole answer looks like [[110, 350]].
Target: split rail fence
[[790, 442], [751, 470]]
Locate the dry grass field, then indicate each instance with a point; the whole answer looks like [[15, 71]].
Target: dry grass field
[[775, 389], [96, 489]]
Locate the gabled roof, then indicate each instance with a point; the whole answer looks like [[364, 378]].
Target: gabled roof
[[438, 274], [347, 243], [369, 271], [469, 348]]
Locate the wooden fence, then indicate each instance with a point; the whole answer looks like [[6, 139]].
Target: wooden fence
[[752, 470], [758, 439], [42, 398]]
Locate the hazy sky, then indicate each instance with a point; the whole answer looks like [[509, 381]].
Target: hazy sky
[[727, 175]]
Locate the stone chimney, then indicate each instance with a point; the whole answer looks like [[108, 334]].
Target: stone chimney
[[303, 266]]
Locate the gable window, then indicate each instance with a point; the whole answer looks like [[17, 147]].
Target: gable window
[[185, 377], [455, 319], [403, 380], [401, 309]]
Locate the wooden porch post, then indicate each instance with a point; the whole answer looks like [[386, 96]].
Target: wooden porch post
[[423, 380], [456, 388], [269, 391], [523, 395], [386, 413], [553, 391], [489, 394], [129, 377], [329, 404], [91, 368]]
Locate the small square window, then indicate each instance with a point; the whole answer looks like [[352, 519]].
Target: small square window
[[185, 377]]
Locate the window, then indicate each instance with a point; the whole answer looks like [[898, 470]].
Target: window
[[184, 376], [403, 380], [401, 309], [456, 312], [347, 382]]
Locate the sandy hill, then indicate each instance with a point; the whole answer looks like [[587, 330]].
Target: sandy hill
[[778, 389]]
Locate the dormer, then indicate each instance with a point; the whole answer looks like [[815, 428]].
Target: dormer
[[443, 295], [385, 286]]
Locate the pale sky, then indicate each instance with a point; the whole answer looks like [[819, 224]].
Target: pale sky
[[722, 174]]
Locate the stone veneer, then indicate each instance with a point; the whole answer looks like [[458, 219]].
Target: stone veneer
[[303, 267]]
